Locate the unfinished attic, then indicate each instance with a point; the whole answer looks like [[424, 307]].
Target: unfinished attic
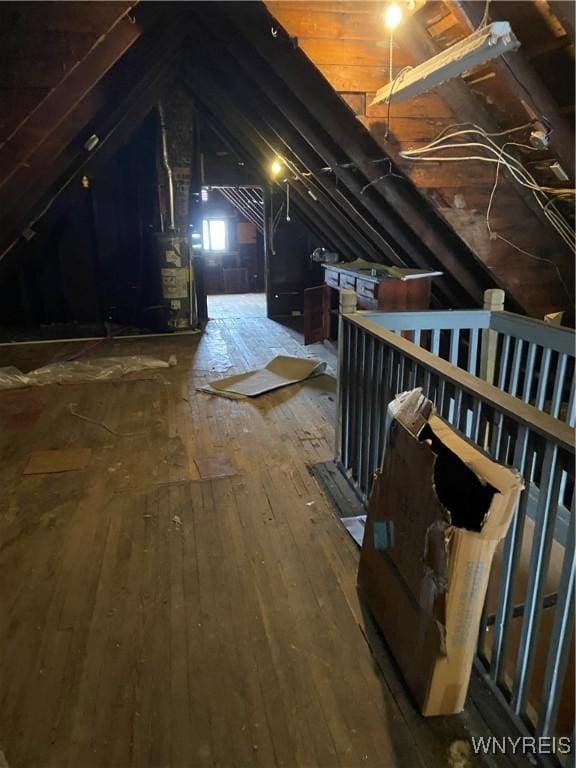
[[287, 384]]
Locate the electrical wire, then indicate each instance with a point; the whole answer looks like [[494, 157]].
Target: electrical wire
[[521, 173], [388, 173], [399, 77], [493, 234], [481, 130], [441, 143], [513, 165], [485, 16], [517, 170]]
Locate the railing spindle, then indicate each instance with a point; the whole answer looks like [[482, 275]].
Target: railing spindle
[[510, 560], [542, 541], [543, 379], [503, 369], [559, 385], [561, 639], [516, 360], [529, 373]]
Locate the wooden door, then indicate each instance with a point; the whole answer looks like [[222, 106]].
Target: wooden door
[[316, 314]]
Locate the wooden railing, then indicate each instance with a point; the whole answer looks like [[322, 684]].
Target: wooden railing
[[516, 422], [529, 359]]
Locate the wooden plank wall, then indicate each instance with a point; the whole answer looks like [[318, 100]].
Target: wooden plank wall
[[42, 43], [349, 44]]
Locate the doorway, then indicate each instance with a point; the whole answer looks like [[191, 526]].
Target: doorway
[[233, 251]]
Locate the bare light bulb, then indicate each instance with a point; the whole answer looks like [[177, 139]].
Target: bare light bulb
[[276, 167], [393, 15]]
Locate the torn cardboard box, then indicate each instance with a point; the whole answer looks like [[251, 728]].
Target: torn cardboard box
[[438, 508]]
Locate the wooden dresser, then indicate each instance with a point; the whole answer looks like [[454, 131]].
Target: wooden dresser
[[380, 288], [385, 290]]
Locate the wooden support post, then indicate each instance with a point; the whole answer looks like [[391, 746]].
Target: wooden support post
[[493, 302]]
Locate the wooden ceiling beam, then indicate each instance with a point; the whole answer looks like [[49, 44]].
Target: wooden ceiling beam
[[138, 81], [240, 114], [208, 92], [61, 100], [522, 79]]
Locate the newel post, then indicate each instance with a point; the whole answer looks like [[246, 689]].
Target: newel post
[[348, 301], [493, 302]]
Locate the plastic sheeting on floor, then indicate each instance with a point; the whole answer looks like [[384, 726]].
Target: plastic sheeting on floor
[[78, 371]]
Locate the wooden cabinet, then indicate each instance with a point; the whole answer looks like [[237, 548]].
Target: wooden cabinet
[[332, 278], [395, 290]]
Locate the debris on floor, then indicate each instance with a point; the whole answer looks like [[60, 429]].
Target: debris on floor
[[78, 371], [62, 460], [436, 513], [355, 527], [281, 371], [96, 422]]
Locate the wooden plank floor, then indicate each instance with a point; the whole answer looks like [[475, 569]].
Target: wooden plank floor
[[154, 616], [236, 305]]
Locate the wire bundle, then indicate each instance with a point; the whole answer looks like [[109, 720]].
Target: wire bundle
[[546, 197], [441, 150]]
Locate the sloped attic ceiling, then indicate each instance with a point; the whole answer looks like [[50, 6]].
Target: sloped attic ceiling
[[259, 91], [350, 45]]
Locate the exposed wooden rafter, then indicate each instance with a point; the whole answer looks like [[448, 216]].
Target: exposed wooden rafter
[[56, 157], [470, 109], [523, 79]]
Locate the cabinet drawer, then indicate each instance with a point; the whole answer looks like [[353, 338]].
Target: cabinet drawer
[[347, 282], [331, 277], [367, 289], [365, 303]]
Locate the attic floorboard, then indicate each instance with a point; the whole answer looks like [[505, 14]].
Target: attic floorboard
[[227, 306], [188, 599]]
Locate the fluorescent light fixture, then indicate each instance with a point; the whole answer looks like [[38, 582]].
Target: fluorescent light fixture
[[481, 46]]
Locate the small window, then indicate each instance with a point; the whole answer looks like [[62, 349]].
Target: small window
[[215, 235]]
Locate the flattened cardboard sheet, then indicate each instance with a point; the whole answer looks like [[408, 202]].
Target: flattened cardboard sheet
[[279, 372]]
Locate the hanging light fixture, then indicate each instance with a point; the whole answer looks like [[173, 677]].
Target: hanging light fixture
[[392, 19], [276, 167], [393, 15], [483, 45]]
